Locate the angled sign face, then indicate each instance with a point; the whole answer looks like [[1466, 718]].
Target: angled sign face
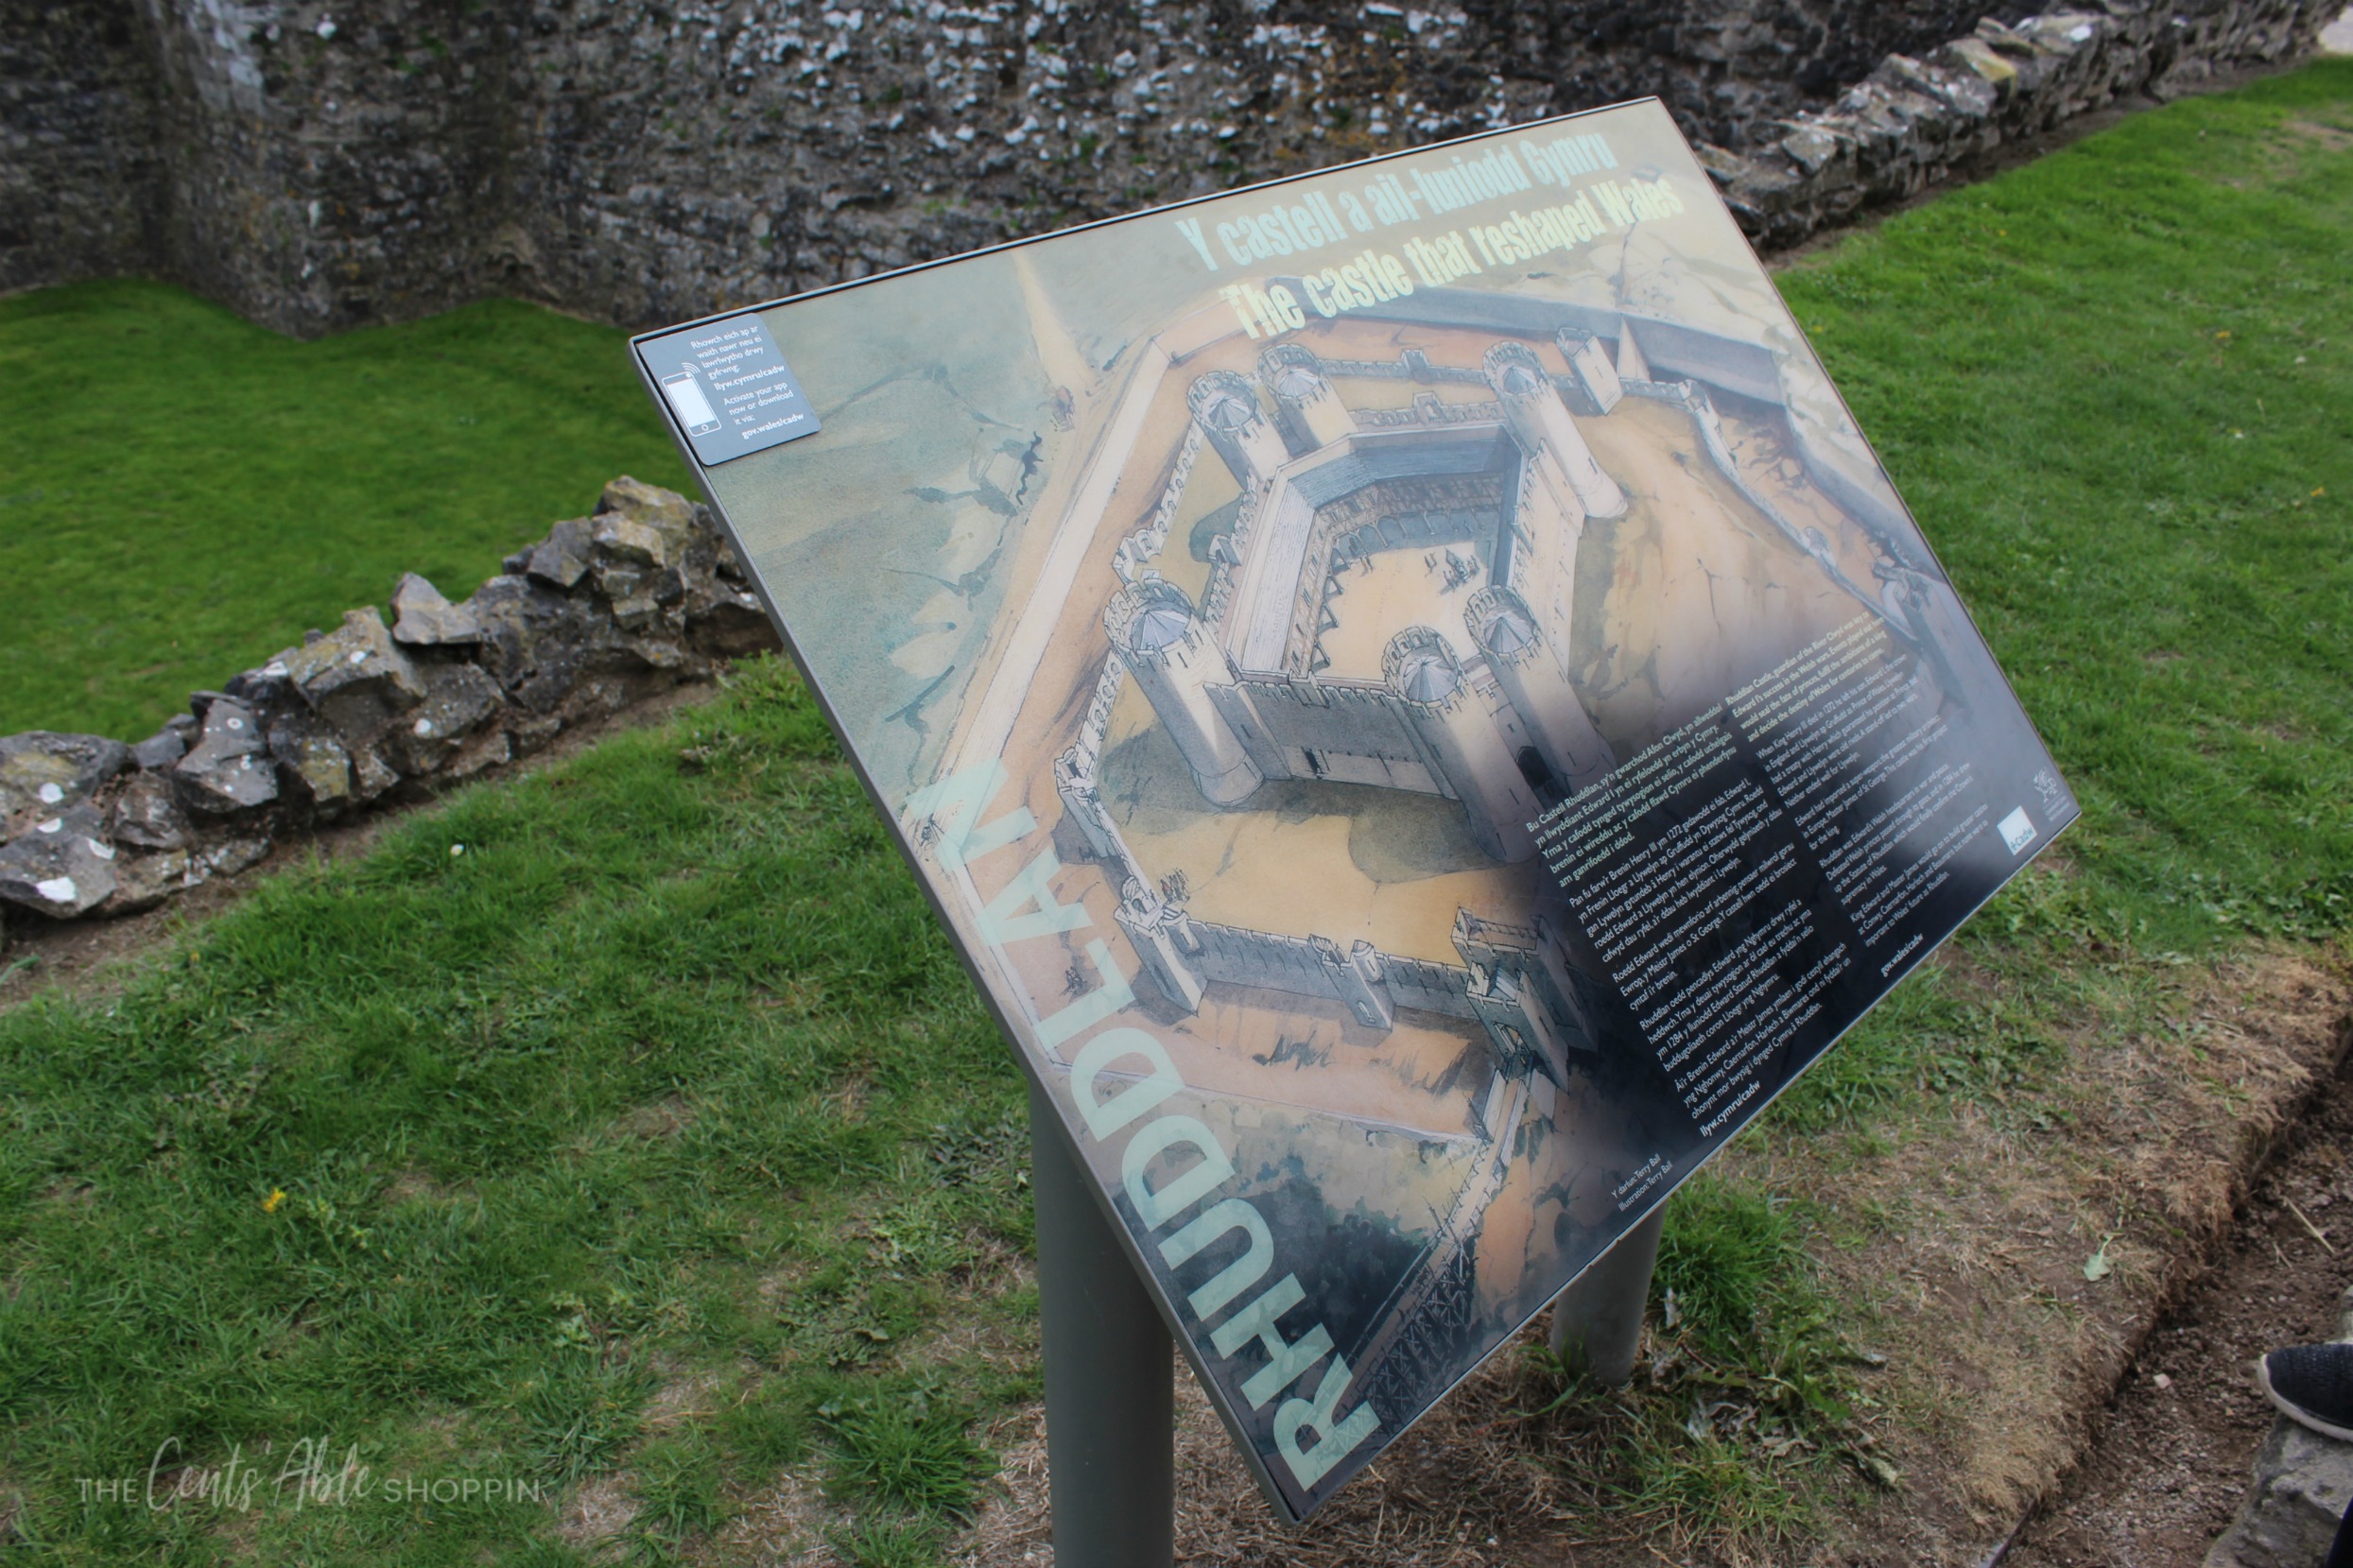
[[1415, 698]]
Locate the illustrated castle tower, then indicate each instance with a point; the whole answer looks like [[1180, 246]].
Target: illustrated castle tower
[[1592, 387], [1308, 411], [1541, 424], [1504, 629], [1562, 485], [1175, 661], [1162, 938], [1227, 409], [1468, 737]]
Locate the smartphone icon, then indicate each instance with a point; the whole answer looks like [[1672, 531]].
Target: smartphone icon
[[693, 409]]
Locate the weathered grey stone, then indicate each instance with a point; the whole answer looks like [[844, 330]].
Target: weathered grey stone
[[663, 510], [160, 749], [145, 816], [2303, 1485], [599, 697], [489, 750], [357, 677], [459, 700], [266, 687], [732, 626], [143, 881], [62, 868], [634, 591], [625, 540], [539, 643], [534, 730], [229, 769], [1810, 147], [1976, 54], [314, 757], [565, 556], [281, 711], [423, 617], [42, 773], [227, 857], [657, 558], [498, 677], [722, 616], [662, 654], [371, 775]]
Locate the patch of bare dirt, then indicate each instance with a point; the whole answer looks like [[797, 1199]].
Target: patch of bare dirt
[[417, 1186], [785, 1524], [598, 1511], [2170, 1458], [2328, 138], [2018, 1273], [659, 1122], [1456, 1491]]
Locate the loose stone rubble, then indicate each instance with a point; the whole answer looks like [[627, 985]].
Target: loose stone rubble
[[607, 610]]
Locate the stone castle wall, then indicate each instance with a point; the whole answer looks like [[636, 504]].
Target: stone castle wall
[[317, 165], [81, 156]]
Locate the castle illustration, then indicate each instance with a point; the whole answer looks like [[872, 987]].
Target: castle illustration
[[1391, 608], [1461, 519], [1245, 686], [1391, 602]]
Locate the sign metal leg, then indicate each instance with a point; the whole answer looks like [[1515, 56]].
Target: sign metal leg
[[1110, 1396], [1597, 1322]]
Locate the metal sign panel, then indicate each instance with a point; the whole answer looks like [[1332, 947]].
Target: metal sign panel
[[1417, 704]]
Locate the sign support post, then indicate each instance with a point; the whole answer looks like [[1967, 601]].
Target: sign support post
[[1597, 1322], [1110, 1396]]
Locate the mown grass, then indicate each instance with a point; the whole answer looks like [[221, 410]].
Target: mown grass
[[655, 1144], [2117, 386], [632, 1117], [182, 492]]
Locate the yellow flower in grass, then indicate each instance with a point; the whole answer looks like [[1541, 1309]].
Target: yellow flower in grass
[[271, 1203]]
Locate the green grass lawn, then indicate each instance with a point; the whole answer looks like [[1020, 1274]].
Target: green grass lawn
[[183, 493], [629, 1131]]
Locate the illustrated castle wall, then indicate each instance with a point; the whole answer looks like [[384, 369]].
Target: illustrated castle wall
[[1489, 717], [1534, 1010], [1244, 685]]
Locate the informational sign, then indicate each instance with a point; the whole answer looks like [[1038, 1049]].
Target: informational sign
[[727, 388], [1415, 700]]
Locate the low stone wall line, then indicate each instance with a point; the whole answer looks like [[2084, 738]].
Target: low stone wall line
[[607, 610], [1915, 122]]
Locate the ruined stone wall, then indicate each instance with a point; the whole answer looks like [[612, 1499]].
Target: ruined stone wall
[[82, 170], [317, 166], [606, 610]]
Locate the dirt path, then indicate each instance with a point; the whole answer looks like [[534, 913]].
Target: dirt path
[[2170, 1459]]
